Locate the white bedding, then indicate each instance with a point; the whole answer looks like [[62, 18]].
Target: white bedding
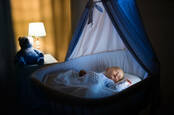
[[92, 85]]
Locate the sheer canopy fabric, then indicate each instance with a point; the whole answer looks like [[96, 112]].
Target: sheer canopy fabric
[[98, 36], [125, 17]]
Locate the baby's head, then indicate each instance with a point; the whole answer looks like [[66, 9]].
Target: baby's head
[[114, 73]]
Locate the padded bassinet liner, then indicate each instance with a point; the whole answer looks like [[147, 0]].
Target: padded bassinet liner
[[97, 62]]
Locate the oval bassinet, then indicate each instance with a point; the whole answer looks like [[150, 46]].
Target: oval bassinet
[[110, 33]]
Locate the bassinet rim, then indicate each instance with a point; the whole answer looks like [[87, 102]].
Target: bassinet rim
[[68, 99]]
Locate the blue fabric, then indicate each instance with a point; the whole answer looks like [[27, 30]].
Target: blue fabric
[[126, 19]]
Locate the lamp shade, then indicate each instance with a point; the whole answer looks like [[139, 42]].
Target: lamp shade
[[36, 29]]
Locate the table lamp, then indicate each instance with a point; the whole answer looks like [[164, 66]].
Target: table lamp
[[36, 30]]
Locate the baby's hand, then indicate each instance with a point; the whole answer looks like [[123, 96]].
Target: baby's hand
[[129, 81], [82, 73]]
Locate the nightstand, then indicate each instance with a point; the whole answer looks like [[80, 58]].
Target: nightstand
[[48, 59]]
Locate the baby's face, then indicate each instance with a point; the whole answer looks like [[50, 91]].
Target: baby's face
[[116, 74]]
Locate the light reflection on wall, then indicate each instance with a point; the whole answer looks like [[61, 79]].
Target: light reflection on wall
[[56, 15]]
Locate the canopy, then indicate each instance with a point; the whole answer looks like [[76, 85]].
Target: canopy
[[112, 25]]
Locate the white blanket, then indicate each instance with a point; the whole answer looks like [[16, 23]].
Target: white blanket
[[91, 85]]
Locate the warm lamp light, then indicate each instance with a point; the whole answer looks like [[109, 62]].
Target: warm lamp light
[[37, 30]]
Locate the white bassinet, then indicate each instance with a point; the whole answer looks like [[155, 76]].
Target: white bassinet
[[97, 62]]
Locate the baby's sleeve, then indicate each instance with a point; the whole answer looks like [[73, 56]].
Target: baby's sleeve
[[111, 85], [122, 85]]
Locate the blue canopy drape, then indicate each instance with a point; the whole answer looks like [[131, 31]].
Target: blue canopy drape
[[125, 17]]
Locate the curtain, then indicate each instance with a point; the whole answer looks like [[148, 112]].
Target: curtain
[[98, 36], [7, 51], [126, 19], [55, 14], [7, 46]]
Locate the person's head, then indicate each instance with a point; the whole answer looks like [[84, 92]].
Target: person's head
[[114, 73]]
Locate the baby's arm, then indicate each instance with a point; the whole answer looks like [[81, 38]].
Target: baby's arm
[[119, 86], [129, 81]]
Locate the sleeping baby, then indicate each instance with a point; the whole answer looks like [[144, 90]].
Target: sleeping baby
[[114, 73], [92, 84]]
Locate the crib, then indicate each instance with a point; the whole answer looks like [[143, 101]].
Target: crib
[[132, 99], [109, 33]]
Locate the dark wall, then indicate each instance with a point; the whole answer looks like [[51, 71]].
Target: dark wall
[[158, 18], [77, 7]]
